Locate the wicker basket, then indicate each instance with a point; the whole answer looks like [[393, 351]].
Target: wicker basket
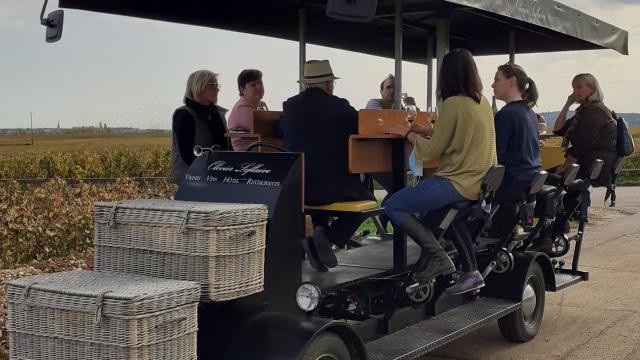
[[221, 246], [94, 315]]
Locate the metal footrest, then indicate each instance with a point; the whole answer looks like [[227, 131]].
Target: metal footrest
[[425, 336], [565, 278]]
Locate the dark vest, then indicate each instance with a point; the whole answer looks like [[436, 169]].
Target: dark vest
[[202, 138]]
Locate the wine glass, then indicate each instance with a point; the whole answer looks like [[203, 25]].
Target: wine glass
[[412, 112], [542, 128]]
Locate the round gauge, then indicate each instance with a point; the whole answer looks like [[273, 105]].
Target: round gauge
[[308, 297]]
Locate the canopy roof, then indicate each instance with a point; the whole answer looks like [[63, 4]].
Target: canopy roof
[[482, 26]]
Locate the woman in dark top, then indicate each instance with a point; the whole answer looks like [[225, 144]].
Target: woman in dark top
[[516, 141], [591, 133], [199, 122]]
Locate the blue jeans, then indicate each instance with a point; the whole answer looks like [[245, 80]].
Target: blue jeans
[[431, 196]]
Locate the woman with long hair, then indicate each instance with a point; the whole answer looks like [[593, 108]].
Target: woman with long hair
[[589, 135], [464, 141], [517, 141]]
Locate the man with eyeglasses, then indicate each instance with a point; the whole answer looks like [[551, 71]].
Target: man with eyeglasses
[[318, 124], [199, 122]]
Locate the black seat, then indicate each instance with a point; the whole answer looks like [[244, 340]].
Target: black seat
[[584, 184], [570, 174], [547, 191], [526, 208], [475, 214], [538, 182]]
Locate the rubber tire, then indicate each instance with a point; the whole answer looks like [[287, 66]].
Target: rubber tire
[[513, 326], [326, 346]]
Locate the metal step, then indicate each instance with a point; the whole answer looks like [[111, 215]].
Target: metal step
[[565, 278], [425, 336]]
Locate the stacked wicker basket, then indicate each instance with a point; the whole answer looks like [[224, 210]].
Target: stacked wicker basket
[[93, 315], [221, 246], [155, 259]]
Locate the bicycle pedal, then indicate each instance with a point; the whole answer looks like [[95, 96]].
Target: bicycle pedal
[[414, 288]]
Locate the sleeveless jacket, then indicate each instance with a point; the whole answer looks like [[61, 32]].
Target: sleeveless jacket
[[202, 136]]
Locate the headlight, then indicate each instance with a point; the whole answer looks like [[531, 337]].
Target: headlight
[[308, 297]]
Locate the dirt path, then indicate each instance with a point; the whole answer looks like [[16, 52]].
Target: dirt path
[[593, 320]]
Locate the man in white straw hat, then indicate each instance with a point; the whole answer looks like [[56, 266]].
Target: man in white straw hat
[[318, 124]]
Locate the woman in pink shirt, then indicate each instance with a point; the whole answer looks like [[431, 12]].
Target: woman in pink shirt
[[251, 93]]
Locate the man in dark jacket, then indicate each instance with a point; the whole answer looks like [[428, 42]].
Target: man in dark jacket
[[318, 124]]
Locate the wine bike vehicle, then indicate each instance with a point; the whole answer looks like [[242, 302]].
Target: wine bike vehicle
[[367, 307]]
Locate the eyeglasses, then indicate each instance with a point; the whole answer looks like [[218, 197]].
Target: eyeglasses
[[214, 85]]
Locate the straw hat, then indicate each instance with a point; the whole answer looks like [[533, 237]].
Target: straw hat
[[316, 71]]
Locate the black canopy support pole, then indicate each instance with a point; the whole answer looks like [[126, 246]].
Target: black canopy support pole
[[398, 55], [442, 44], [399, 171], [512, 45], [430, 73], [302, 42], [398, 151]]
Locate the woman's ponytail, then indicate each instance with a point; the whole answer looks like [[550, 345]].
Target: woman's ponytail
[[530, 93]]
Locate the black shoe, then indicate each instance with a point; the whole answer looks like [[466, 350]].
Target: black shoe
[[310, 251], [323, 249], [467, 282], [438, 264]]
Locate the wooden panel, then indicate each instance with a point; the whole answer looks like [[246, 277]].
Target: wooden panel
[[368, 155], [264, 122], [424, 117], [551, 156], [376, 122]]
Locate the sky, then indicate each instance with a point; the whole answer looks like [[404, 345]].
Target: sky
[[129, 72]]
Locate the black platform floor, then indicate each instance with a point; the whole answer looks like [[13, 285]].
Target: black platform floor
[[358, 264], [423, 337], [564, 280]]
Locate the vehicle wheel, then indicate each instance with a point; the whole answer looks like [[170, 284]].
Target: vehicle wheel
[[326, 346], [523, 324]]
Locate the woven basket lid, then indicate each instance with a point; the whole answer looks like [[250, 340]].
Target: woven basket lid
[[102, 293], [174, 212]]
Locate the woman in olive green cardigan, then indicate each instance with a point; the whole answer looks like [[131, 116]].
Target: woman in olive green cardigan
[[464, 141]]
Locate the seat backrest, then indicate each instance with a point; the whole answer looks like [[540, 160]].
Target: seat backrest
[[491, 181], [596, 168], [617, 165], [570, 174], [538, 180]]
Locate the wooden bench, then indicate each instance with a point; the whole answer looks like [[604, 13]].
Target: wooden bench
[[262, 128]]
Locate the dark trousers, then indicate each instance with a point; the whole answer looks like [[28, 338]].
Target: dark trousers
[[339, 229], [505, 219], [385, 179], [570, 202]]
